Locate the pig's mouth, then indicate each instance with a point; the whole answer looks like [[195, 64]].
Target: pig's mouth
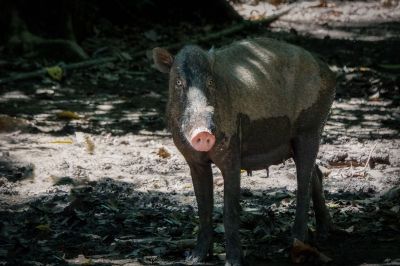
[[201, 139]]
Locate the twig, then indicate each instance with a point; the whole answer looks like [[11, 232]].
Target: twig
[[369, 157], [247, 24], [363, 172], [43, 71]]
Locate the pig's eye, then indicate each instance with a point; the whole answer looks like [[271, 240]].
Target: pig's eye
[[210, 83], [179, 83]]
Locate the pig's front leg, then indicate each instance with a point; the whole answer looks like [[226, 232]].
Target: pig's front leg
[[305, 148], [231, 173], [203, 189]]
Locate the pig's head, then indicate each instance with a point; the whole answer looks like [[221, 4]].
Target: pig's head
[[190, 88]]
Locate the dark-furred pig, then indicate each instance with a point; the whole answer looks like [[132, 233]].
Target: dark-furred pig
[[248, 105]]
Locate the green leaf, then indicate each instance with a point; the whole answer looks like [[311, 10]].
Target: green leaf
[[391, 66], [43, 227]]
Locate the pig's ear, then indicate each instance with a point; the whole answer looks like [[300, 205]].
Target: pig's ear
[[162, 59]]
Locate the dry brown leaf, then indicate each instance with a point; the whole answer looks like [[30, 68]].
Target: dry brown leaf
[[43, 227], [68, 115], [275, 2], [302, 252], [89, 145], [375, 97], [163, 153], [255, 15]]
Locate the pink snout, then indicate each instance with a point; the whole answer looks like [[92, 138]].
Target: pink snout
[[202, 140]]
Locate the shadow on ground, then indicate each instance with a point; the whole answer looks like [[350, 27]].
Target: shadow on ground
[[111, 223]]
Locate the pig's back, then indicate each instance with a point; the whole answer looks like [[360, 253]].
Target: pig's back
[[265, 78]]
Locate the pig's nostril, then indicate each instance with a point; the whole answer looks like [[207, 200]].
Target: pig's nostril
[[208, 141], [198, 140]]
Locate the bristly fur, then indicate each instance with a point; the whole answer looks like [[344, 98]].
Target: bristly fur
[[262, 78]]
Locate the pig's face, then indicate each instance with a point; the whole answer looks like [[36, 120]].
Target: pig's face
[[190, 89]]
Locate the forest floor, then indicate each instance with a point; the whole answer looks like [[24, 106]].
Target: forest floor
[[89, 175]]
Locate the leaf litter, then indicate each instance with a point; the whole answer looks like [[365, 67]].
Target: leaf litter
[[110, 197]]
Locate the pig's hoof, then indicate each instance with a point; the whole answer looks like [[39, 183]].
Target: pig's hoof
[[194, 258], [304, 253], [197, 256]]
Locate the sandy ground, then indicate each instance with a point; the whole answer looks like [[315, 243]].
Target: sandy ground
[[35, 162], [340, 19], [138, 184]]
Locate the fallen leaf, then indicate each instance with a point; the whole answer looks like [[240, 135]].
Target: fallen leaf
[[163, 153], [43, 227], [390, 66], [111, 77], [62, 141], [302, 252], [275, 2], [125, 56], [68, 115], [55, 72], [375, 97], [256, 15], [364, 69], [89, 145], [332, 205]]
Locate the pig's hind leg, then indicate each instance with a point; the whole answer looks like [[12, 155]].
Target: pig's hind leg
[[203, 188], [322, 216], [305, 148], [234, 255]]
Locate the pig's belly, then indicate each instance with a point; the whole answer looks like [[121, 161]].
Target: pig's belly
[[259, 161], [265, 142]]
